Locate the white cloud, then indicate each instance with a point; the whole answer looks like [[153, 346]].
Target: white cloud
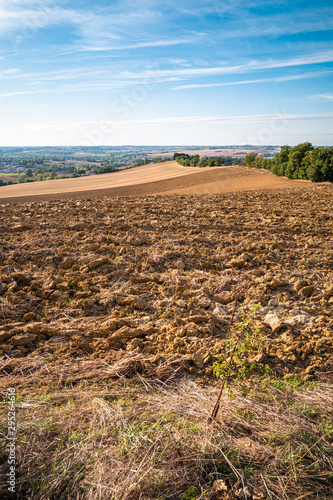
[[133, 45], [322, 97], [8, 72], [189, 120], [23, 92], [251, 66], [277, 79], [313, 20], [108, 29]]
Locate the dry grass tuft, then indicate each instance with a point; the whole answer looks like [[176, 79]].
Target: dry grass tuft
[[136, 431]]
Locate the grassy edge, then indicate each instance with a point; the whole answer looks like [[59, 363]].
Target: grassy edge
[[85, 430]]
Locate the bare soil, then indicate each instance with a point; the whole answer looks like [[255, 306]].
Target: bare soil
[[85, 184], [113, 311], [160, 274], [164, 178]]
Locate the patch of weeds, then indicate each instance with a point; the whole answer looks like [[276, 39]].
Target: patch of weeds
[[239, 461], [281, 436], [309, 411], [291, 384], [192, 427], [247, 414], [50, 427], [144, 431], [46, 398], [76, 437], [5, 400], [67, 383], [190, 494], [325, 427]]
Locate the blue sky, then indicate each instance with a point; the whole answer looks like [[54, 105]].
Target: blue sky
[[172, 72]]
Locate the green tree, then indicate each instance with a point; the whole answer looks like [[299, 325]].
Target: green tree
[[318, 164], [251, 159], [202, 162], [195, 160], [294, 168]]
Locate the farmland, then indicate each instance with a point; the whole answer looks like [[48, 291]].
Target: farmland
[[167, 177], [114, 310]]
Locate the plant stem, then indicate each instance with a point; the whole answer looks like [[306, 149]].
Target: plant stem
[[216, 407]]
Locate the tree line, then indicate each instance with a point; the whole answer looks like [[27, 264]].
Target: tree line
[[202, 161], [299, 162]]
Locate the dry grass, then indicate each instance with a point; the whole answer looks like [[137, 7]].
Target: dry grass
[[132, 430]]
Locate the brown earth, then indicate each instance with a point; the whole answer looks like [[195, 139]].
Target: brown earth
[[233, 179], [158, 275], [150, 179], [6, 178], [85, 184]]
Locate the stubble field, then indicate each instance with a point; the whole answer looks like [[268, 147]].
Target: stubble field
[[113, 312]]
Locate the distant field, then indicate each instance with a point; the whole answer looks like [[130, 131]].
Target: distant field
[[164, 178], [139, 175], [234, 152], [9, 177]]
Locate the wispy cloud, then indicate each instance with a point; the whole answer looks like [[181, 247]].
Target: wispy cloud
[[189, 120], [322, 97], [96, 28], [8, 72], [308, 21], [253, 65], [277, 79], [23, 92], [90, 55], [63, 74], [134, 44]]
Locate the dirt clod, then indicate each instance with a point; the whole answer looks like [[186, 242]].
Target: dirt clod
[[159, 275]]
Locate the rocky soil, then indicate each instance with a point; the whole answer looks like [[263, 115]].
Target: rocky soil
[[159, 276]]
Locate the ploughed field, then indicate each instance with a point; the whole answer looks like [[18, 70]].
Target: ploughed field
[[159, 275], [113, 311], [169, 177]]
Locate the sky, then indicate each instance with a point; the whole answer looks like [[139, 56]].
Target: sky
[[170, 72]]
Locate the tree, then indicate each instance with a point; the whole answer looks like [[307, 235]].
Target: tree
[[202, 162], [318, 164], [283, 155], [302, 162], [294, 168], [251, 159], [195, 160]]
